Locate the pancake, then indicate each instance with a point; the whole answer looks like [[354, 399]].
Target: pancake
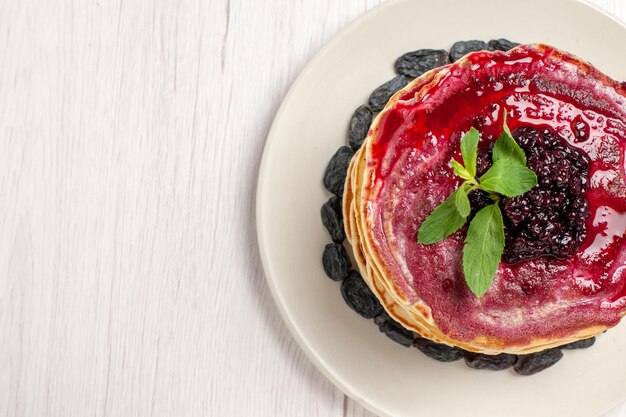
[[402, 172]]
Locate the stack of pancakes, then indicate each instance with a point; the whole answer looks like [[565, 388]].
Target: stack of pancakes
[[402, 172]]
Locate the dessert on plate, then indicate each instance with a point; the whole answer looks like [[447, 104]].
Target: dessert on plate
[[558, 242]]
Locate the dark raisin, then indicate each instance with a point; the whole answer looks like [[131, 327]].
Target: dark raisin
[[501, 45], [550, 220], [396, 332], [413, 64], [381, 318], [337, 170], [580, 344], [359, 297], [493, 362], [462, 48], [332, 218], [438, 351], [382, 94], [359, 126], [537, 362], [335, 261]]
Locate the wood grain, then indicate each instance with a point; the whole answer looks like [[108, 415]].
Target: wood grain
[[131, 133]]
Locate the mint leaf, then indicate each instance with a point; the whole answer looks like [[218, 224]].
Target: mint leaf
[[469, 149], [483, 249], [508, 178], [507, 148], [462, 201], [460, 171], [442, 222], [505, 127]]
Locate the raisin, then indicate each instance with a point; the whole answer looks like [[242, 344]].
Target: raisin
[[382, 94], [396, 332], [580, 344], [413, 64], [359, 296], [337, 170], [438, 351], [492, 362], [359, 126], [501, 45], [332, 218], [537, 362], [335, 261], [381, 318], [462, 48]]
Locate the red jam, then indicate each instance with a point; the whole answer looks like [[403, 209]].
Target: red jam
[[410, 162]]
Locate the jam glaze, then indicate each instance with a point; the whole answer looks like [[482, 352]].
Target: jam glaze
[[409, 163]]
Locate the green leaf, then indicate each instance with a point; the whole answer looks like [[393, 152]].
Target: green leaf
[[462, 201], [441, 223], [460, 171], [505, 126], [469, 149], [507, 148], [483, 249], [508, 178]]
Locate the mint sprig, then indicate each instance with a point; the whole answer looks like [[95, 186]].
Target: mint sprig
[[508, 176]]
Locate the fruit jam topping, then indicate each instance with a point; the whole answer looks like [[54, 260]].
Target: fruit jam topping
[[550, 220], [565, 240]]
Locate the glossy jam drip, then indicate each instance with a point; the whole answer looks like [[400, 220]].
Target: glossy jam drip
[[580, 129]]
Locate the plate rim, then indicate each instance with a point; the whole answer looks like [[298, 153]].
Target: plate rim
[[262, 181]]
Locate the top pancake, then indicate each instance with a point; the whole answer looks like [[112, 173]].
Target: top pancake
[[403, 172]]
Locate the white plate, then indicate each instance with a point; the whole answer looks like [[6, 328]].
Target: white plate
[[385, 377]]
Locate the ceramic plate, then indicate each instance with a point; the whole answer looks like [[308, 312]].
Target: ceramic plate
[[312, 123]]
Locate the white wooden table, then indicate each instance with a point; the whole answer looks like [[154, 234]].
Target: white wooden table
[[131, 134]]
